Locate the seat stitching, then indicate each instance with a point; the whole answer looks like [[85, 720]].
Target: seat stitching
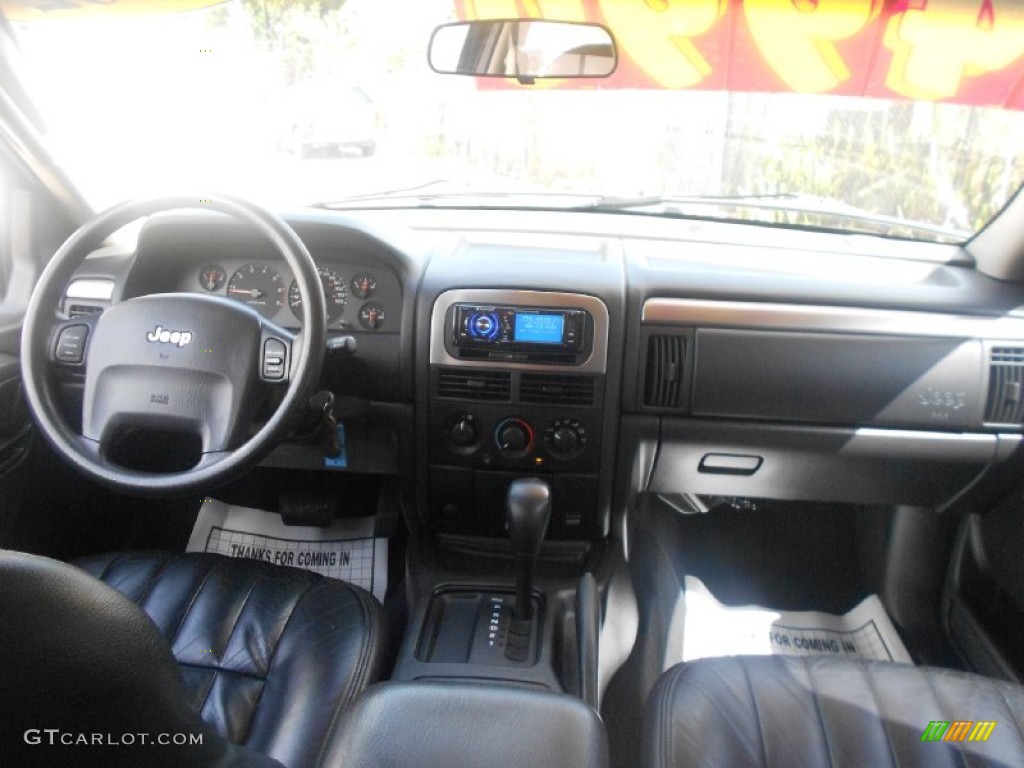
[[288, 621], [213, 667], [161, 567], [114, 557], [365, 654], [370, 647], [209, 690], [875, 701], [666, 708], [238, 616], [757, 714], [231, 634], [935, 695], [273, 657], [355, 681], [808, 668], [191, 603]]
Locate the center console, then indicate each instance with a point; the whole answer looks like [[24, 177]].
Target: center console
[[515, 426], [517, 386], [462, 725]]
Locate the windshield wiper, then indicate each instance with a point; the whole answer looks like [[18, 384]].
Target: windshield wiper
[[783, 201]]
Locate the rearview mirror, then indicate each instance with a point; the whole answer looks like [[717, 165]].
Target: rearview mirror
[[523, 49]]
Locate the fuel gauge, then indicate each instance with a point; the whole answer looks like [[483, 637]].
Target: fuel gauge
[[212, 277], [364, 286], [371, 315]]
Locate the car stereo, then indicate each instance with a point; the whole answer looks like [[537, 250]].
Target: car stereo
[[513, 332]]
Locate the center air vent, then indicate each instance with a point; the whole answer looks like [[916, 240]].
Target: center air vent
[[474, 385], [1006, 380], [556, 389], [663, 384]]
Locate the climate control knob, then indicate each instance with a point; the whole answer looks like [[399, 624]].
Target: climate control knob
[[513, 437], [565, 438], [463, 432]]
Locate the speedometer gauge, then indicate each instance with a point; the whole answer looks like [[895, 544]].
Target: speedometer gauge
[[335, 294], [259, 286]]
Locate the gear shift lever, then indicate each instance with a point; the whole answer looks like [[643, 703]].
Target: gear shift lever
[[529, 508]]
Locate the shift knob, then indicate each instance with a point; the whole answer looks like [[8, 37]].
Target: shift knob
[[529, 509]]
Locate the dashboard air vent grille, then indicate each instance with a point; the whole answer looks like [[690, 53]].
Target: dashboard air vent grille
[[1008, 355], [474, 385], [557, 389], [1006, 386], [78, 310], [663, 387]]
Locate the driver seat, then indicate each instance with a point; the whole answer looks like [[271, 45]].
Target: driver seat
[[261, 661]]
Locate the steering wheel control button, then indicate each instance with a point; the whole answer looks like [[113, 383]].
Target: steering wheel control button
[[514, 437], [275, 355], [71, 344]]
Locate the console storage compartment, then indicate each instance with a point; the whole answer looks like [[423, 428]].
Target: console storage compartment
[[451, 725]]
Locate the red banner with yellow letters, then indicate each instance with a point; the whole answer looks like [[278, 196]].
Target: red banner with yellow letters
[[965, 51]]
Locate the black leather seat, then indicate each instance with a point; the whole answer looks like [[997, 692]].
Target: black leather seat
[[269, 658], [795, 711]]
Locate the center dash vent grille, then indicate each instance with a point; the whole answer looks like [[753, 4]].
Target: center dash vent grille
[[663, 385], [1005, 384], [474, 385], [557, 389]]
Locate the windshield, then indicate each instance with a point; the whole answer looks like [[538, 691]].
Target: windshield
[[318, 101]]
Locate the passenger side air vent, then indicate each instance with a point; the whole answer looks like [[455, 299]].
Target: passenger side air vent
[[556, 389], [78, 310], [474, 385], [1006, 381], [664, 380]]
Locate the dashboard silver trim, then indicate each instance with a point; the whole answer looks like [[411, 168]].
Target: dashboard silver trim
[[826, 319], [596, 362]]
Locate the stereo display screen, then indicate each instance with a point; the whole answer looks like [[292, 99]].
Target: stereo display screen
[[532, 328]]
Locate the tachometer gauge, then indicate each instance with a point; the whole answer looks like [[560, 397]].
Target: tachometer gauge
[[212, 277], [335, 294], [364, 285], [259, 286]]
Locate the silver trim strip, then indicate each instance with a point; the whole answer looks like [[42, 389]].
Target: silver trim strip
[[763, 315], [85, 288], [596, 363]]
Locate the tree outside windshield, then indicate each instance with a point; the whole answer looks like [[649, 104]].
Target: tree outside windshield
[[291, 103]]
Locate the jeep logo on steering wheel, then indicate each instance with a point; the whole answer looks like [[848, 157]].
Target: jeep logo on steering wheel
[[161, 335]]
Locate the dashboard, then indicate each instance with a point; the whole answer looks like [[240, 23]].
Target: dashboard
[[614, 354]]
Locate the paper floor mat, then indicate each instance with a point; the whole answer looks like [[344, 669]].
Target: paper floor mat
[[346, 550], [714, 629]]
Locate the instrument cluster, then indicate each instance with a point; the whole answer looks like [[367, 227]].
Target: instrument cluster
[[355, 297]]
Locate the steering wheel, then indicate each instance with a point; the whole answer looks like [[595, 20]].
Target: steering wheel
[[178, 362]]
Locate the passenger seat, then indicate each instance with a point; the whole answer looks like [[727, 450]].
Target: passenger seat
[[817, 711]]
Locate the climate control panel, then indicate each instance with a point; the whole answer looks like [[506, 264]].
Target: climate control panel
[[534, 438]]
